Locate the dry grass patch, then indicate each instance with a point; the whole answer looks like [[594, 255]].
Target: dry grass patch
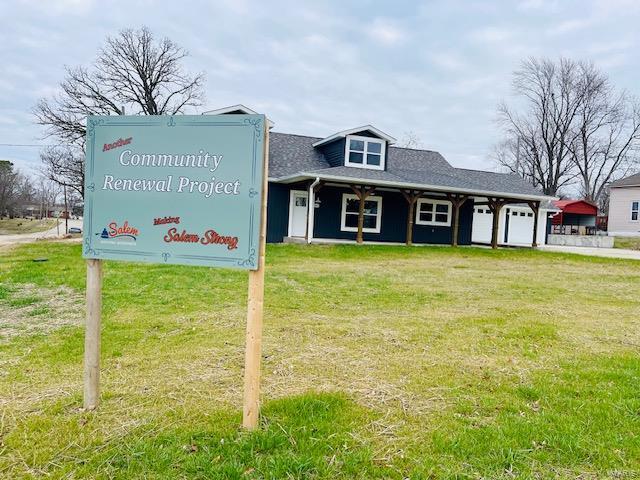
[[28, 309]]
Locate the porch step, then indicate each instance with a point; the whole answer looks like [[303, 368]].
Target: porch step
[[299, 240]]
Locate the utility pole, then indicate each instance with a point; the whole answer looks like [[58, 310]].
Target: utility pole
[[66, 212]]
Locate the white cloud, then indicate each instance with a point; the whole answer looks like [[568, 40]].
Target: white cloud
[[385, 32], [491, 35], [67, 7], [571, 25], [449, 61]]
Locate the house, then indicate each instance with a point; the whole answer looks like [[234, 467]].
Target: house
[[624, 207], [576, 217], [355, 185]]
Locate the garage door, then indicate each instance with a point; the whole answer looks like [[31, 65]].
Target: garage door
[[520, 226], [482, 225]]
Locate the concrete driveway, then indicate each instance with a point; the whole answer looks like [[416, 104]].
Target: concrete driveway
[[31, 237], [594, 252]]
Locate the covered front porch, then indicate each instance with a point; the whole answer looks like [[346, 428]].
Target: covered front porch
[[326, 209]]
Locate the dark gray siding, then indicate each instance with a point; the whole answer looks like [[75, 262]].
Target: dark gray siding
[[277, 212], [334, 152], [394, 220]]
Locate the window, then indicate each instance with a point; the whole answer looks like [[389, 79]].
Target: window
[[635, 211], [433, 212], [371, 218], [364, 152], [301, 201]]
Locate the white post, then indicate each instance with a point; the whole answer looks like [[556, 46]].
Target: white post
[[311, 209]]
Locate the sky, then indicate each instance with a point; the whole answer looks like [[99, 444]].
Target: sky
[[436, 68]]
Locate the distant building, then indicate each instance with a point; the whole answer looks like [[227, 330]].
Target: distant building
[[624, 206], [576, 217]]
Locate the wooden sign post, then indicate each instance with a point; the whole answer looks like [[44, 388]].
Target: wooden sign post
[[253, 348], [92, 335], [188, 190]]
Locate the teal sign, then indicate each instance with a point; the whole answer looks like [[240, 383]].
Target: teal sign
[[174, 189]]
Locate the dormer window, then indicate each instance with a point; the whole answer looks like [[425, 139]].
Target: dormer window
[[364, 152]]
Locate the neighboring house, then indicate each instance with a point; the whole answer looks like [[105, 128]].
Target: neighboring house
[[624, 206], [576, 217], [354, 185]]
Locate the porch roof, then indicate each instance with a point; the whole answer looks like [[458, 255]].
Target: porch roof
[[292, 158]]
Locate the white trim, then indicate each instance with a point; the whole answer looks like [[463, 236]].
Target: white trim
[[419, 186], [631, 210], [364, 128], [343, 214], [233, 108], [292, 194], [433, 222], [365, 152]]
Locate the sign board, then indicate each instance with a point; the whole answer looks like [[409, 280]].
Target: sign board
[[184, 189]]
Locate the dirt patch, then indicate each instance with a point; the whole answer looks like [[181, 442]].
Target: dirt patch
[[27, 309]]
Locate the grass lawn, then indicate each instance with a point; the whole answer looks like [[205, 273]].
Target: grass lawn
[[630, 243], [21, 225], [379, 362]]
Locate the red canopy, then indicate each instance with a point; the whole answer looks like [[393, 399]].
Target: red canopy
[[581, 207]]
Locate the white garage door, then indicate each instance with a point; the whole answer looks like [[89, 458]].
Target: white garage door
[[482, 225], [520, 226]]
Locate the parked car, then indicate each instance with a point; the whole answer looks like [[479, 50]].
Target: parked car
[[75, 230]]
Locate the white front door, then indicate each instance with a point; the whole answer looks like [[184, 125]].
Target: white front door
[[298, 213]]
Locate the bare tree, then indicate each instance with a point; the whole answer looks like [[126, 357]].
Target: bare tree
[[133, 72], [607, 135], [410, 139], [543, 131], [7, 185], [64, 166], [48, 192], [574, 128]]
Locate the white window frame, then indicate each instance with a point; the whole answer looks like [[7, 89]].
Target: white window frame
[[367, 141], [632, 210], [343, 216], [433, 222]]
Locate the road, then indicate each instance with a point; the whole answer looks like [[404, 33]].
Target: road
[[594, 252], [31, 237]]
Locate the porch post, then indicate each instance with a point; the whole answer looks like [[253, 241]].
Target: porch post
[[360, 217], [535, 206], [362, 193], [411, 199], [495, 205], [456, 202]]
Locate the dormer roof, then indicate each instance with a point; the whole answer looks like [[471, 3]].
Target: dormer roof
[[238, 109], [354, 131]]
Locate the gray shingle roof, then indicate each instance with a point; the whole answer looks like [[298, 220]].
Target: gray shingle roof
[[633, 180], [291, 155]]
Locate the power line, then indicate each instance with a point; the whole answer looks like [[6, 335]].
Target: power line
[[34, 145]]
